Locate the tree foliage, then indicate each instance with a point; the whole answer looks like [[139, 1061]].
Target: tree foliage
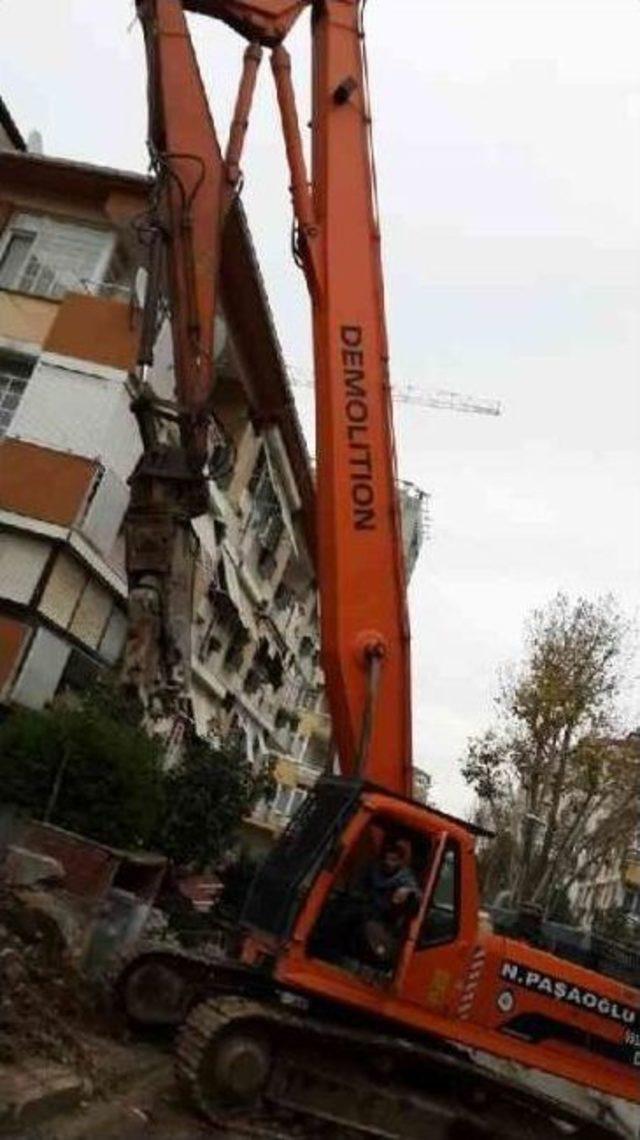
[[84, 770], [555, 777], [207, 796], [87, 765]]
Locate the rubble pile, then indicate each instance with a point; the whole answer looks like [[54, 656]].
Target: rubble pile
[[44, 1003]]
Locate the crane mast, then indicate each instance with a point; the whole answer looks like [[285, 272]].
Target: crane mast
[[364, 623]]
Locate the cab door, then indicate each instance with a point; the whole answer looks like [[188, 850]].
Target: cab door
[[437, 953]]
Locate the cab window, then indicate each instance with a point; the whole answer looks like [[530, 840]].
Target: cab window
[[364, 922], [442, 919]]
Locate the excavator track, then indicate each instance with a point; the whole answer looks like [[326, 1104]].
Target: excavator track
[[264, 1067], [155, 985]]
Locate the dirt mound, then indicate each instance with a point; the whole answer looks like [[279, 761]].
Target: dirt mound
[[45, 1005]]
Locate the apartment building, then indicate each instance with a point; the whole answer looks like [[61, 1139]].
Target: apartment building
[[613, 887], [613, 884], [71, 241]]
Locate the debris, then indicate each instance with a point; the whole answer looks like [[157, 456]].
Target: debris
[[140, 1114], [36, 1091], [26, 868], [44, 1001]]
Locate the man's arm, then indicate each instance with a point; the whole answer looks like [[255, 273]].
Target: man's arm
[[407, 886]]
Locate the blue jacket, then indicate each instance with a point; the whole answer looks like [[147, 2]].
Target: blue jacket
[[380, 888]]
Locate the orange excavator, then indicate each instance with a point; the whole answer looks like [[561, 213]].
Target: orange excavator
[[427, 1023]]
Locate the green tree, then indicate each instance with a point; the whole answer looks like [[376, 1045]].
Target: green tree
[[555, 777], [77, 766], [87, 764], [207, 795]]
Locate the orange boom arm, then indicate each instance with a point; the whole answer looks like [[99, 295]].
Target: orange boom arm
[[365, 632], [362, 579]]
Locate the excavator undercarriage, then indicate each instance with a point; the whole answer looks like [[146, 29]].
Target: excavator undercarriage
[[252, 1052], [279, 1023]]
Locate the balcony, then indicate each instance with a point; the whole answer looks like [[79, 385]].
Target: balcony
[[26, 319], [315, 724], [100, 329]]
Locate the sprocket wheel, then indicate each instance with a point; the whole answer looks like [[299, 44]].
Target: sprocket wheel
[[224, 1056], [155, 994]]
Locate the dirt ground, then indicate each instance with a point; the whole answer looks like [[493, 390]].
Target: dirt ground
[[152, 1110], [50, 1016]]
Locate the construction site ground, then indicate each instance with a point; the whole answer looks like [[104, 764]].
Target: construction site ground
[[69, 1067], [134, 1098], [64, 1062], [71, 1070]]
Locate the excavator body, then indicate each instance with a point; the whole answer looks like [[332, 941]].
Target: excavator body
[[325, 1011], [442, 1028], [443, 975]]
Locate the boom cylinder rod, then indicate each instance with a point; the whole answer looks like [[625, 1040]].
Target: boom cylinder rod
[[240, 120], [300, 192]]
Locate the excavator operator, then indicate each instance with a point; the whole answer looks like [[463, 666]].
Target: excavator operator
[[364, 923], [389, 883], [385, 898]]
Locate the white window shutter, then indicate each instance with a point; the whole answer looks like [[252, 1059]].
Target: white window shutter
[[62, 256]]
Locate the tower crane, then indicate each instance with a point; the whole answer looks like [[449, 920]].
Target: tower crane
[[440, 398]]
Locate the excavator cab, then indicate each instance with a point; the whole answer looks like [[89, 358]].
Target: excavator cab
[[436, 968], [310, 845], [366, 915], [310, 909]]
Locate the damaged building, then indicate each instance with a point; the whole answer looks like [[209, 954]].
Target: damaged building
[[71, 241]]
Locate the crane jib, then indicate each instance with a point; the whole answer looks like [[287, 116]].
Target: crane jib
[[361, 486]]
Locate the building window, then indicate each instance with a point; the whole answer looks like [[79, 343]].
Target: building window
[[266, 564], [234, 656], [309, 699], [252, 681], [306, 646], [271, 532], [15, 371], [283, 598], [266, 514], [267, 665], [292, 690], [631, 903], [317, 751], [80, 672], [14, 256], [49, 257], [287, 800]]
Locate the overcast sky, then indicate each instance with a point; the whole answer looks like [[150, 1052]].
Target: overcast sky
[[508, 146]]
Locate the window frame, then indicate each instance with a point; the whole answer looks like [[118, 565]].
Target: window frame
[[421, 945], [291, 796], [28, 360], [13, 234], [43, 226]]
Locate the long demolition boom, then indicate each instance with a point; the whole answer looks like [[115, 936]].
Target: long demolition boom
[[364, 624]]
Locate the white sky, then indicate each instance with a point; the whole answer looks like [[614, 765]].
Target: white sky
[[507, 141]]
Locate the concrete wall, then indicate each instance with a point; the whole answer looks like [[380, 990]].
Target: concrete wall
[[26, 320]]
